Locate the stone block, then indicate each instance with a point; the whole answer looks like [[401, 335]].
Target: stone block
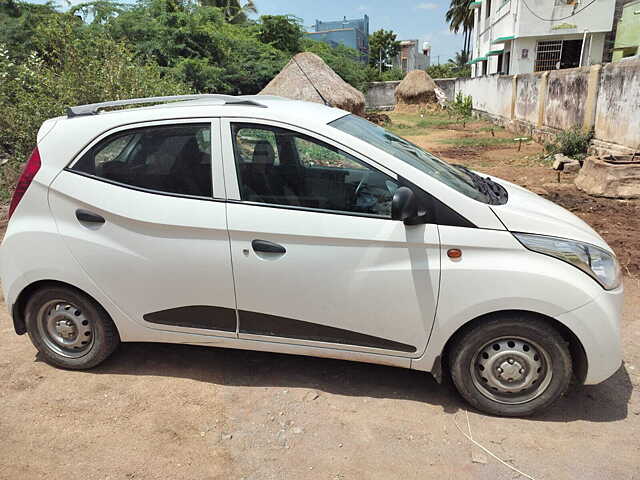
[[611, 177]]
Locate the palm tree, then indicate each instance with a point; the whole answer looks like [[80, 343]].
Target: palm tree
[[460, 16], [461, 59], [234, 10]]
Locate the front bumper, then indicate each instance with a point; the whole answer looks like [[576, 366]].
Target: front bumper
[[597, 326]]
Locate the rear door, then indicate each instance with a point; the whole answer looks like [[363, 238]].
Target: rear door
[[317, 259], [141, 211]]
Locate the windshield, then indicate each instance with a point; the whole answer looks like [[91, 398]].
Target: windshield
[[406, 151]]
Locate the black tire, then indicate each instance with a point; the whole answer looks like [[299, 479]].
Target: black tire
[[99, 343], [530, 332]]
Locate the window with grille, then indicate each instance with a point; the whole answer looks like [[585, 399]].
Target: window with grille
[[548, 55], [557, 54]]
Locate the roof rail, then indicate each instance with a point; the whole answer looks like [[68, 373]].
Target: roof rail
[[94, 108]]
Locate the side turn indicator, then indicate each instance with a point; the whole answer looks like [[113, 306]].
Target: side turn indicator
[[454, 253]]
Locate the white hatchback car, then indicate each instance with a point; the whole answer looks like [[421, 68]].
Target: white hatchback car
[[269, 224]]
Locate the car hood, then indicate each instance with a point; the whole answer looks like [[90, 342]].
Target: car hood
[[529, 213]]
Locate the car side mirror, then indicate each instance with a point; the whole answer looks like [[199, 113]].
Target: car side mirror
[[404, 205]]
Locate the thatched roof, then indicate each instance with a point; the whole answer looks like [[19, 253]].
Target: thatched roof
[[307, 77], [416, 88]]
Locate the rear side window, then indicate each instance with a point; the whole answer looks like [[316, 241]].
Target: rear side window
[[168, 158]]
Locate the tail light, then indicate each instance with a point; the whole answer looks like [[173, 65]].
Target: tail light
[[29, 172]]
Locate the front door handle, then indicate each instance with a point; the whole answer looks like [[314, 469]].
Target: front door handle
[[85, 216], [267, 247]]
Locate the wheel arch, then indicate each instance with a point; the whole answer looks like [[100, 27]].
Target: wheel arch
[[578, 354], [20, 305]]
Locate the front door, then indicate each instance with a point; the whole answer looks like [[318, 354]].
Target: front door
[[140, 212], [317, 259]]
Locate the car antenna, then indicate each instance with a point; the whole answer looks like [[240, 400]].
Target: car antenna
[[327, 103]]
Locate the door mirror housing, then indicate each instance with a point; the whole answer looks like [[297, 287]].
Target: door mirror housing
[[404, 206]]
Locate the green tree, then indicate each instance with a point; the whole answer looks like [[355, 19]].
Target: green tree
[[283, 32], [460, 16], [234, 11], [80, 66], [99, 11], [343, 60], [461, 59], [198, 46], [18, 22], [391, 75], [383, 47], [449, 70]]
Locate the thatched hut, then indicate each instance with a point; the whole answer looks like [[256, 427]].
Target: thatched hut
[[417, 88], [307, 77]]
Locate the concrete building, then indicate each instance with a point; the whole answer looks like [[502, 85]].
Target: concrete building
[[525, 36], [412, 56], [351, 33], [627, 42]]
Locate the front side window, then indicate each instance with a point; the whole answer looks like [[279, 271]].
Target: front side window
[[281, 167], [168, 159]]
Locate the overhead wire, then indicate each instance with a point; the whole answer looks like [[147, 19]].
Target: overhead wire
[[328, 104], [557, 19]]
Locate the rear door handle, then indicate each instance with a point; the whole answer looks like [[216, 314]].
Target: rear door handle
[[267, 247], [86, 216]]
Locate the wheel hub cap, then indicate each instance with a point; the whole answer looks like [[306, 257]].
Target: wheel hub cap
[[511, 370], [65, 329]]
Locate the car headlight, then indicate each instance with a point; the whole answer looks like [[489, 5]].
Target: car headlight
[[594, 261]]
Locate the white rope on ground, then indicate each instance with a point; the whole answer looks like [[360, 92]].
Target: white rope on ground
[[468, 436], [466, 412]]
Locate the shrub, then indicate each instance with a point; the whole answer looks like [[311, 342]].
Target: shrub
[[34, 90], [573, 142], [449, 70], [461, 108]]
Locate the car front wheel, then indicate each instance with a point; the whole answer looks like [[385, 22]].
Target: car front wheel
[[69, 329], [511, 365]]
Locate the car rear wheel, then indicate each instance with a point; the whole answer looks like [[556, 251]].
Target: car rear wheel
[[69, 329], [511, 365]]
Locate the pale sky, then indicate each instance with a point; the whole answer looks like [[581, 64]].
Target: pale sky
[[410, 19]]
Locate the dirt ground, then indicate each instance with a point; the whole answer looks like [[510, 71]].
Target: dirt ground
[[179, 412], [618, 221]]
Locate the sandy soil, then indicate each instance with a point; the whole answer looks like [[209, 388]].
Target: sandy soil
[[180, 412], [167, 411]]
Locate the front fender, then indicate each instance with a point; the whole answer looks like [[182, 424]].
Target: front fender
[[496, 273]]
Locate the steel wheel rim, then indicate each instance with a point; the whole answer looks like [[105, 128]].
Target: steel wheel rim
[[511, 370], [65, 329]]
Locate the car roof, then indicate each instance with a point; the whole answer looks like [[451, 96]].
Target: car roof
[[69, 134], [257, 106]]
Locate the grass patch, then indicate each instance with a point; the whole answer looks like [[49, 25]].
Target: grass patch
[[412, 124], [489, 128], [404, 130], [431, 121], [477, 141]]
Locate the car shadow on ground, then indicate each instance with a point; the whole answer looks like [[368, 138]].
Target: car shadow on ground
[[605, 402]]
